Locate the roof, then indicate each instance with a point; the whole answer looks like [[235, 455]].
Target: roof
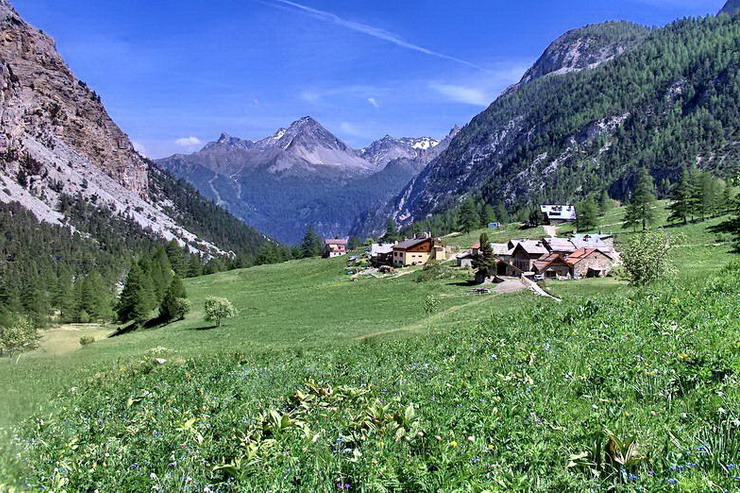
[[532, 247], [560, 245], [335, 241], [501, 249], [559, 211], [464, 255], [581, 254], [376, 249], [405, 245], [544, 262], [591, 242]]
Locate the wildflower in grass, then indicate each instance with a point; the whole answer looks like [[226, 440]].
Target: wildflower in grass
[[672, 481], [344, 486], [453, 444]]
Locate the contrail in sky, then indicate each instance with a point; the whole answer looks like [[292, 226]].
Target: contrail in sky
[[375, 32]]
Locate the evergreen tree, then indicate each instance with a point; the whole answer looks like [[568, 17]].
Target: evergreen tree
[[605, 203], [680, 206], [354, 243], [640, 210], [488, 216], [485, 262], [136, 299], [502, 214], [469, 217], [311, 244], [195, 266], [176, 256], [587, 218], [171, 308], [160, 271], [391, 231]]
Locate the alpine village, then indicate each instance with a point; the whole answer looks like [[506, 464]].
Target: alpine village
[[543, 298]]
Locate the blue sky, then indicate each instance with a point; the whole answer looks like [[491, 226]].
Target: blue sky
[[176, 73]]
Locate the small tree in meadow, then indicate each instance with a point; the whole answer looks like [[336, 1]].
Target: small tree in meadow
[[217, 309], [431, 304], [17, 335], [647, 257]]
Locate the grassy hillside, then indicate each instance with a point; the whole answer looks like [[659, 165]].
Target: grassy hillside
[[497, 392]]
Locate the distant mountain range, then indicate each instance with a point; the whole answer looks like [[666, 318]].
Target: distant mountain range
[[303, 175], [600, 103]]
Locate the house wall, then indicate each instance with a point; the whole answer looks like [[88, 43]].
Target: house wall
[[554, 271], [412, 258], [596, 261]]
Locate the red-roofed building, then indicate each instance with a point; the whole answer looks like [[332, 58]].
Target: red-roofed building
[[335, 248], [552, 266], [590, 262]]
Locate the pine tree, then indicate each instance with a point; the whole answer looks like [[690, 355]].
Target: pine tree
[[605, 203], [640, 210], [136, 298], [502, 214], [680, 206], [391, 231], [485, 262], [488, 216], [587, 218], [176, 256], [311, 244], [469, 217], [195, 266], [170, 308]]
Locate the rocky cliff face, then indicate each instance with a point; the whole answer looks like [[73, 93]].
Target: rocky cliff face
[[732, 7], [57, 140], [42, 101], [585, 48]]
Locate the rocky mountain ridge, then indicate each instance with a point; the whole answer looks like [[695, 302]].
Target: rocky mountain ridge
[[303, 175], [56, 139]]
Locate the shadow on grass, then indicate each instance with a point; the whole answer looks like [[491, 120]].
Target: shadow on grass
[[464, 284], [207, 327]]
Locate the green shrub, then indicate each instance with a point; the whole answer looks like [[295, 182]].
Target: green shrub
[[86, 340]]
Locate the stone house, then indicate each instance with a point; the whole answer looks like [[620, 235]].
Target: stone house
[[590, 262]]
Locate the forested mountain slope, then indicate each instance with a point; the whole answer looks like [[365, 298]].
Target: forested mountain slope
[[672, 100], [77, 203]]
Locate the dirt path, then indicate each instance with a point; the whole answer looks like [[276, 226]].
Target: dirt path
[[538, 290], [551, 231]]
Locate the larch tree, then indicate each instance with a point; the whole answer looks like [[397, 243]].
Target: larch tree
[[641, 207]]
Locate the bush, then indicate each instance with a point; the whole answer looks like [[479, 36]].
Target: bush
[[646, 257], [86, 340], [17, 335]]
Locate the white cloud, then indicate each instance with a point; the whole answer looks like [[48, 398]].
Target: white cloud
[[375, 32], [482, 89], [139, 147], [373, 102], [352, 130], [462, 94], [189, 142]]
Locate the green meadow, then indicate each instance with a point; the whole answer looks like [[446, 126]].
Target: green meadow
[[325, 383]]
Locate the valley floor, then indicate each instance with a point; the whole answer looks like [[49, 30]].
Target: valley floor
[[496, 392]]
